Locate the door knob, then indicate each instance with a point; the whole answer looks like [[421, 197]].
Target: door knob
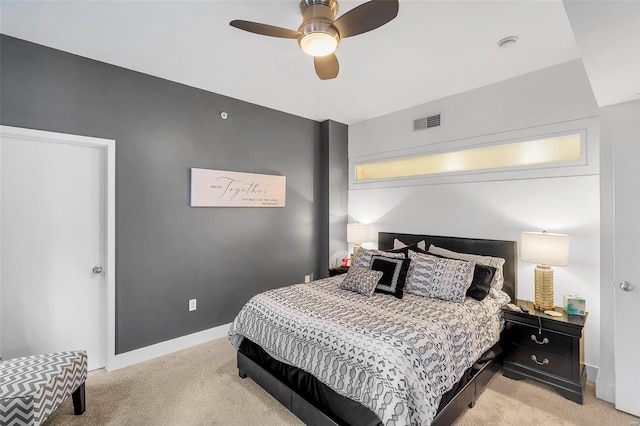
[[626, 286], [97, 269]]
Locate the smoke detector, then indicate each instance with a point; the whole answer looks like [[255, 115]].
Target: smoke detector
[[508, 42]]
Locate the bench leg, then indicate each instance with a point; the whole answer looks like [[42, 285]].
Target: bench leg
[[78, 400]]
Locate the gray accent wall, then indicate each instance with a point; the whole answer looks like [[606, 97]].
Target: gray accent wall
[[166, 251], [335, 151]]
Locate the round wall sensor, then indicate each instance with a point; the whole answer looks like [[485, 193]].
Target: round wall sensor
[[224, 115], [508, 42]]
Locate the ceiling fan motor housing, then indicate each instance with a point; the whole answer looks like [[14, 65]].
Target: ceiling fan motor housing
[[317, 17], [327, 9]]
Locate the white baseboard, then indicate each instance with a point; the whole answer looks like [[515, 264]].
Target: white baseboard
[[126, 359], [606, 390], [592, 372]]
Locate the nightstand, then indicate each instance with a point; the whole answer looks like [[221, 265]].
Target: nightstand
[[547, 349], [337, 270]]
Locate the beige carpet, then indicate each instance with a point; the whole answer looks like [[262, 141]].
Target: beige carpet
[[200, 386]]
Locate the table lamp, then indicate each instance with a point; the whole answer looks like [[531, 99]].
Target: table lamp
[[357, 233], [545, 250]]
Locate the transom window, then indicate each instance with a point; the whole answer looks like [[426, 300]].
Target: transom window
[[558, 150]]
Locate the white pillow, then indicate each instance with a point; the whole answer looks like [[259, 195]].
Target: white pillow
[[439, 277], [397, 244], [496, 262]]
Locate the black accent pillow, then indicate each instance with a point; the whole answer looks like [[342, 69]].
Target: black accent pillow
[[482, 276], [481, 284], [394, 274]]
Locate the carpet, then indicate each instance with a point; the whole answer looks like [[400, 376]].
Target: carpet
[[200, 386]]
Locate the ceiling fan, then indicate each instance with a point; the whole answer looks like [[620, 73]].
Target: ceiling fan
[[320, 33]]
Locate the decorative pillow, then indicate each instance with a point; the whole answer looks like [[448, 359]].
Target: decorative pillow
[[439, 277], [496, 262], [397, 244], [361, 280], [481, 283], [394, 274], [363, 257]]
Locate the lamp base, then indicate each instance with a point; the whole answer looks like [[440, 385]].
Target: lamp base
[[543, 288], [356, 247]]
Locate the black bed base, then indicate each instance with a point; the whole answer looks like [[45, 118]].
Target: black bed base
[[295, 403], [310, 414], [468, 395]]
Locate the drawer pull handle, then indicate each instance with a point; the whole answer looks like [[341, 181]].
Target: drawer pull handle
[[544, 361], [544, 341]]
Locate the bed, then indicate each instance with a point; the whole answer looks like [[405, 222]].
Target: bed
[[335, 357]]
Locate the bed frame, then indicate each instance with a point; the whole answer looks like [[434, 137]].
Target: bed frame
[[465, 397]]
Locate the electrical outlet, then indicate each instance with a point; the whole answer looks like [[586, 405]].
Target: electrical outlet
[[307, 279], [193, 305]]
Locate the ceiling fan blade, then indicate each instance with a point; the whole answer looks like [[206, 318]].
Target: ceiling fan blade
[[366, 17], [264, 29], [327, 67]]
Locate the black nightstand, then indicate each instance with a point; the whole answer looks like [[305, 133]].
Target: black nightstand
[[545, 348], [337, 270]]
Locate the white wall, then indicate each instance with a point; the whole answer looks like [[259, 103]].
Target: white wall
[[498, 209]]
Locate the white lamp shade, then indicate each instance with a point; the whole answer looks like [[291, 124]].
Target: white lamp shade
[[358, 233], [544, 248]]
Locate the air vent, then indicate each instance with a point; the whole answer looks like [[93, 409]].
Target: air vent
[[426, 123], [419, 124], [433, 121]]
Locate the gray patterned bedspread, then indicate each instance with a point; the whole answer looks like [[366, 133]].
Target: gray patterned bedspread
[[395, 356]]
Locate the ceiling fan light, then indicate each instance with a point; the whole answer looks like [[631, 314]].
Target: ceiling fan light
[[318, 44]]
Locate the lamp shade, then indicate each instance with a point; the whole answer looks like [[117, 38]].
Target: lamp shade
[[544, 248], [358, 233]]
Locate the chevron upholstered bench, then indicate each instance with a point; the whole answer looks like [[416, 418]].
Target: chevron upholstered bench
[[33, 387]]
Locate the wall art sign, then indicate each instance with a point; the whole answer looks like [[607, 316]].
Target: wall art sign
[[219, 188]]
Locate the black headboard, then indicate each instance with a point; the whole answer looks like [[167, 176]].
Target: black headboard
[[506, 249]]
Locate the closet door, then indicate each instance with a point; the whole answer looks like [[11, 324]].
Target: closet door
[[626, 152], [53, 293]]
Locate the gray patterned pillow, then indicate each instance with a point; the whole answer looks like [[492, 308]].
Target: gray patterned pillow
[[361, 280], [363, 257], [441, 278], [495, 262]]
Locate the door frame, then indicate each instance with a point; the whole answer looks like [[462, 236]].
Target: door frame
[[109, 148]]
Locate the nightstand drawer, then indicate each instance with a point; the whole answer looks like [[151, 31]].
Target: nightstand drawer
[[542, 361], [547, 341]]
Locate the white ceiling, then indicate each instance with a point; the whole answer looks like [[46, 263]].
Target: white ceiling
[[608, 34], [433, 49]]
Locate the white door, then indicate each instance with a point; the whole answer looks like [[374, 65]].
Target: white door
[[627, 266], [53, 235]]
